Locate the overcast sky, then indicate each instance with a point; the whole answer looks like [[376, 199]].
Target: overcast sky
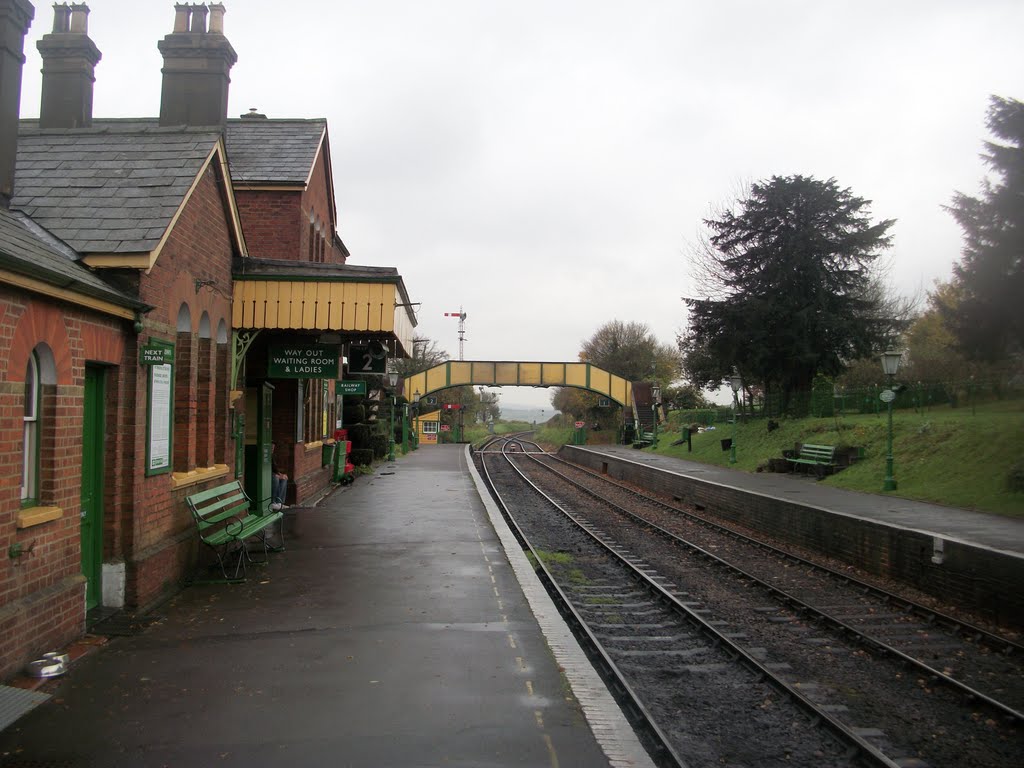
[[546, 165]]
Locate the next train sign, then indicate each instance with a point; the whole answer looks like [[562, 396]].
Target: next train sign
[[304, 361]]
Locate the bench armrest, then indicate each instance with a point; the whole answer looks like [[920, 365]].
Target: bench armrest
[[234, 519]]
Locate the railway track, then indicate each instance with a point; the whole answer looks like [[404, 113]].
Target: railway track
[[893, 683]]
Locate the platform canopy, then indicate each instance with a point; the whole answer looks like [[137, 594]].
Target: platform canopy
[[369, 302], [519, 374]]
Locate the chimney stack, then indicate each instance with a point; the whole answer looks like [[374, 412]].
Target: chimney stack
[[197, 62], [15, 19], [69, 63]]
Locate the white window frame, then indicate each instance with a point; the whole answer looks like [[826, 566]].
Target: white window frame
[[30, 434]]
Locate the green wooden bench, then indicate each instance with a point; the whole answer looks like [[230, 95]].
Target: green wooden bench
[[225, 521], [820, 457], [644, 439]]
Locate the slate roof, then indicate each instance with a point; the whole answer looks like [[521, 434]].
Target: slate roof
[[278, 151], [110, 188], [287, 269], [28, 250]]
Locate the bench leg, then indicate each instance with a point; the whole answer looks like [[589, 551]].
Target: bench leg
[[263, 538], [223, 553]]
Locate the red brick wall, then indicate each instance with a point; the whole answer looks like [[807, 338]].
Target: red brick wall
[[272, 222], [161, 545], [277, 224], [316, 200], [42, 592]]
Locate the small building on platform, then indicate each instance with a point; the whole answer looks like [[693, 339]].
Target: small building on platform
[[427, 427]]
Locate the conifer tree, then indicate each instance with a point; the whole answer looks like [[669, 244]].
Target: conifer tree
[[792, 289], [988, 321]]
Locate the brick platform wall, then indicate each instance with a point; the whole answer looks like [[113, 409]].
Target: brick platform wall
[[982, 580]]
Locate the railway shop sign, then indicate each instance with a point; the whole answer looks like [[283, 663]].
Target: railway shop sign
[[304, 361]]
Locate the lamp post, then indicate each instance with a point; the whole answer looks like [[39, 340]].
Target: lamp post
[[392, 382], [416, 420], [736, 382], [890, 364], [655, 401], [405, 428]]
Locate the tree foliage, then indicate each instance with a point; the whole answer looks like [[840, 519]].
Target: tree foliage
[[989, 319], [631, 351], [425, 354], [628, 350], [792, 287]]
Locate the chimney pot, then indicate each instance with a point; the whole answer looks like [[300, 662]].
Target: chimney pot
[[69, 66], [181, 14], [217, 18], [196, 71], [199, 18], [80, 19], [61, 17]]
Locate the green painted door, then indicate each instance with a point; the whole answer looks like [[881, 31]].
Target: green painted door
[[259, 404], [93, 437]]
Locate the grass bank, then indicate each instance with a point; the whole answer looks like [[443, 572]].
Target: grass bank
[[955, 456]]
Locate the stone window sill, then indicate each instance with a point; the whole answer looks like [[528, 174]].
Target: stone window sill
[[198, 475], [38, 515]]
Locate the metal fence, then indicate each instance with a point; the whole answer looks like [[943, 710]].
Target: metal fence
[[837, 401]]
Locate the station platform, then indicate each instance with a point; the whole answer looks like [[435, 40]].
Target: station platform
[[401, 626], [973, 559], [981, 529]]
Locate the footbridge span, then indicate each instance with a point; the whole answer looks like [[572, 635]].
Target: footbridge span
[[520, 374]]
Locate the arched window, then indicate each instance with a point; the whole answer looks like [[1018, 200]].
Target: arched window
[[205, 395], [184, 440], [221, 379], [30, 434]]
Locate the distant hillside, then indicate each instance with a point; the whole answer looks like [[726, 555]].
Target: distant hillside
[[527, 414]]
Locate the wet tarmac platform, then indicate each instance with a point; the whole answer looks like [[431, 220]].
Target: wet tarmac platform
[[400, 627]]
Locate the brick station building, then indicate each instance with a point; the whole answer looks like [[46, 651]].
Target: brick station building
[[148, 268]]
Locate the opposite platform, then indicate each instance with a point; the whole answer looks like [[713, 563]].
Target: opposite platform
[[392, 631], [971, 558]]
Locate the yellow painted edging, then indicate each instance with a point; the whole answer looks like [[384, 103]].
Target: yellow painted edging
[[38, 286]]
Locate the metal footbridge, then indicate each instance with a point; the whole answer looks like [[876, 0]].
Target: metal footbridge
[[458, 373]]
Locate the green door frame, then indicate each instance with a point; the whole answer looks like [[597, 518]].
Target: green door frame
[[93, 439], [258, 425]]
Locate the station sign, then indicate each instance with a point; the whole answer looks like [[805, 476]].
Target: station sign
[[304, 361], [451, 407], [446, 427], [367, 358], [350, 388], [580, 424], [154, 355], [887, 396]]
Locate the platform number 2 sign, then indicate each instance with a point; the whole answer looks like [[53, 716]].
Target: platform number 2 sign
[[367, 358]]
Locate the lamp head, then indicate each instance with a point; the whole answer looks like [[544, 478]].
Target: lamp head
[[416, 397], [891, 361], [392, 378], [736, 382]]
